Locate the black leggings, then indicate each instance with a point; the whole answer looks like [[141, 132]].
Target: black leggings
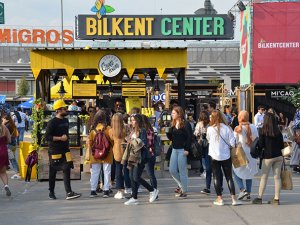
[[226, 165]]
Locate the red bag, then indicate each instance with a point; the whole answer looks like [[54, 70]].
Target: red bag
[[32, 159], [101, 146]]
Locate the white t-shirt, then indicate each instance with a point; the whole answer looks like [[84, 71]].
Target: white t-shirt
[[218, 148]]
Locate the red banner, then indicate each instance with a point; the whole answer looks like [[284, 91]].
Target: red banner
[[276, 43]]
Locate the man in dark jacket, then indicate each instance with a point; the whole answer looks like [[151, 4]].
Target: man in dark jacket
[[59, 152]]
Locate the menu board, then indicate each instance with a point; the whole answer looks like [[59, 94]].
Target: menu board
[[84, 89]]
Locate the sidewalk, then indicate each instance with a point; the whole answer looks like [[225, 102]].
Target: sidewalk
[[29, 204]]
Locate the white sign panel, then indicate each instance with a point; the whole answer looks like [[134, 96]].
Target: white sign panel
[[110, 65]]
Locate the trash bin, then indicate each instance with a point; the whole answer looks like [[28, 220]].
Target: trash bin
[[25, 149]]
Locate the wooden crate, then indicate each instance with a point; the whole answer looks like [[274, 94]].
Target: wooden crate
[[43, 165]]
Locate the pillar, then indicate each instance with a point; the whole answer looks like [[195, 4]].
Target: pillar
[[181, 87]]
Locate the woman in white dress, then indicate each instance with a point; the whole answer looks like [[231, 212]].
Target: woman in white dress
[[245, 133]]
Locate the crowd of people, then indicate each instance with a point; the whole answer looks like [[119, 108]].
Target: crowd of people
[[124, 145]]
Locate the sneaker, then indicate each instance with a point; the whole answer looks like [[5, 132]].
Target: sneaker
[[131, 201], [105, 194], [182, 196], [242, 195], [219, 202], [248, 197], [93, 194], [8, 192], [205, 191], [16, 177], [128, 191], [235, 203], [110, 191], [274, 202], [257, 201], [72, 195], [153, 195], [52, 196], [119, 195]]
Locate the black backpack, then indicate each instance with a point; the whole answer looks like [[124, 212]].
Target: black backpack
[[17, 114]]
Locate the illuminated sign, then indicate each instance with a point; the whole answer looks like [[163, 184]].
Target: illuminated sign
[[35, 36], [84, 89], [155, 27], [110, 65]]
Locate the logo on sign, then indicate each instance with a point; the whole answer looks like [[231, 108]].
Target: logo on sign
[[110, 65], [100, 9]]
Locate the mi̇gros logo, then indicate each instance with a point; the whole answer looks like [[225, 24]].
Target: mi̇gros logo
[[100, 9]]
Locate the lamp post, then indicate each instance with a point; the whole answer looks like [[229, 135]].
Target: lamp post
[[62, 90], [62, 22]]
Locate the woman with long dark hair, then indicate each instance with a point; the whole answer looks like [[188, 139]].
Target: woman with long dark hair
[[5, 138], [180, 134], [139, 132], [100, 125], [271, 141], [10, 124], [200, 133], [150, 143], [221, 139]]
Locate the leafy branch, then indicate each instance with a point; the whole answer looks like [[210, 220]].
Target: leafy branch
[[38, 122]]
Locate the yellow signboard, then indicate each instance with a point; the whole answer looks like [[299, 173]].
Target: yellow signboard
[[84, 89], [134, 89]]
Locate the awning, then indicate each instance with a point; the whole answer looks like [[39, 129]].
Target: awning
[[2, 99], [27, 105]]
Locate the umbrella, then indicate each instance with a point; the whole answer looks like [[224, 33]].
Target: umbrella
[[28, 104]]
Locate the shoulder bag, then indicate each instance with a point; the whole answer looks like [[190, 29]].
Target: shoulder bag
[[286, 178]]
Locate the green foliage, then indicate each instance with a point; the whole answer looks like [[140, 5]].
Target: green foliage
[[23, 86], [38, 118], [295, 100]]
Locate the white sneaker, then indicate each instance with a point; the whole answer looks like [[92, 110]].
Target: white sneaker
[[131, 201], [16, 177], [119, 195], [128, 191], [242, 195], [153, 195]]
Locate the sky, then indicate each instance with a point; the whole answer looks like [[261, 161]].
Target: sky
[[33, 13]]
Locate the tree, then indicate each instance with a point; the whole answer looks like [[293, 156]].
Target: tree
[[23, 86], [295, 99]]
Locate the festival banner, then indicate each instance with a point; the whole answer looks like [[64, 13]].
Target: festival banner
[[276, 43], [245, 46]]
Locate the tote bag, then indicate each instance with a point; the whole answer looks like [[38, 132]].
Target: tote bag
[[286, 178]]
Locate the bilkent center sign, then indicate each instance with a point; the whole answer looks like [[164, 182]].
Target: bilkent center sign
[[156, 27]]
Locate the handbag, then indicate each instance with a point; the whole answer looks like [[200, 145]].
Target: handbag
[[196, 150], [286, 178], [238, 155], [287, 151]]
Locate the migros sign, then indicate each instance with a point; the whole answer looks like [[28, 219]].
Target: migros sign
[[35, 36], [149, 27]]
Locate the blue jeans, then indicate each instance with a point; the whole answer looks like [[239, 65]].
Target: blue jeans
[[13, 161], [126, 176], [150, 171], [21, 131], [240, 183], [119, 176], [178, 168]]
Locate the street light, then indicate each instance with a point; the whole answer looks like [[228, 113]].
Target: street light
[[62, 22], [156, 88], [62, 90]]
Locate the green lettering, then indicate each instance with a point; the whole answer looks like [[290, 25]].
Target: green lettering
[[206, 26], [218, 26], [198, 25], [176, 26], [164, 30], [188, 26]]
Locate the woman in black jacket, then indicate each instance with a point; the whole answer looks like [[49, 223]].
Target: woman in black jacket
[[271, 141], [181, 135]]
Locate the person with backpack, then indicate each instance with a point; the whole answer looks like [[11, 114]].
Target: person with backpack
[[139, 132], [5, 138], [151, 148], [180, 134], [245, 133], [9, 123], [118, 137], [60, 159], [271, 141], [99, 152], [200, 133]]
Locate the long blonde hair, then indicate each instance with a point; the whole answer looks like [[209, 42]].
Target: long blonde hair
[[216, 119], [117, 125], [243, 119]]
